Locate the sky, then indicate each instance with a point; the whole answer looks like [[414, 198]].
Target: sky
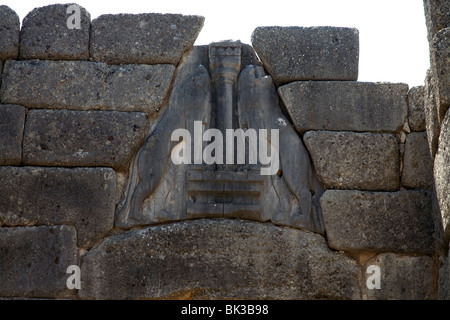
[[392, 33]]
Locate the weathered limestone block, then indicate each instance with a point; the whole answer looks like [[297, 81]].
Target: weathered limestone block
[[402, 277], [317, 53], [379, 221], [353, 160], [437, 15], [444, 279], [214, 259], [431, 114], [346, 106], [440, 67], [45, 33], [417, 163], [416, 109], [143, 38], [34, 260], [82, 138], [83, 85], [442, 173], [9, 33], [12, 119], [82, 197]]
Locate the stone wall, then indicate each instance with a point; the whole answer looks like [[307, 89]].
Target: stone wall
[[77, 105]]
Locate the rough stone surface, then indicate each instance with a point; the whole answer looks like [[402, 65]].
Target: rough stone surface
[[83, 85], [45, 34], [416, 109], [83, 197], [214, 259], [442, 174], [402, 277], [34, 260], [444, 279], [317, 53], [346, 106], [417, 163], [143, 38], [440, 66], [82, 138], [431, 114], [9, 33], [379, 221], [12, 119], [352, 160], [437, 15]]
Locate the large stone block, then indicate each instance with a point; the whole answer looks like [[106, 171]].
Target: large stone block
[[45, 33], [444, 279], [353, 160], [218, 259], [82, 138], [416, 109], [9, 33], [379, 221], [34, 261], [403, 277], [143, 38], [346, 106], [437, 15], [431, 114], [12, 119], [82, 197], [83, 85], [440, 66], [442, 174], [417, 162], [317, 53]]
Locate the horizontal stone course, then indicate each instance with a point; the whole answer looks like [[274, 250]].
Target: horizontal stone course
[[402, 277], [82, 138], [346, 105], [353, 160], [9, 33], [82, 197], [379, 221], [34, 261], [12, 120], [315, 53], [149, 38], [84, 85], [217, 259], [45, 33]]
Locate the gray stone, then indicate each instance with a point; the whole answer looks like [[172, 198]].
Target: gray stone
[[353, 160], [346, 106], [82, 197], [444, 279], [403, 277], [34, 260], [417, 163], [431, 114], [217, 259], [379, 221], [316, 53], [143, 38], [440, 67], [416, 109], [9, 33], [82, 138], [12, 119], [45, 33], [437, 15], [83, 85], [442, 174]]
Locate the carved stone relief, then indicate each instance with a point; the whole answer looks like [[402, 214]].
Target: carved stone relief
[[224, 87]]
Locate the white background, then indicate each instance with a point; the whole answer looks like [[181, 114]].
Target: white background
[[393, 41]]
